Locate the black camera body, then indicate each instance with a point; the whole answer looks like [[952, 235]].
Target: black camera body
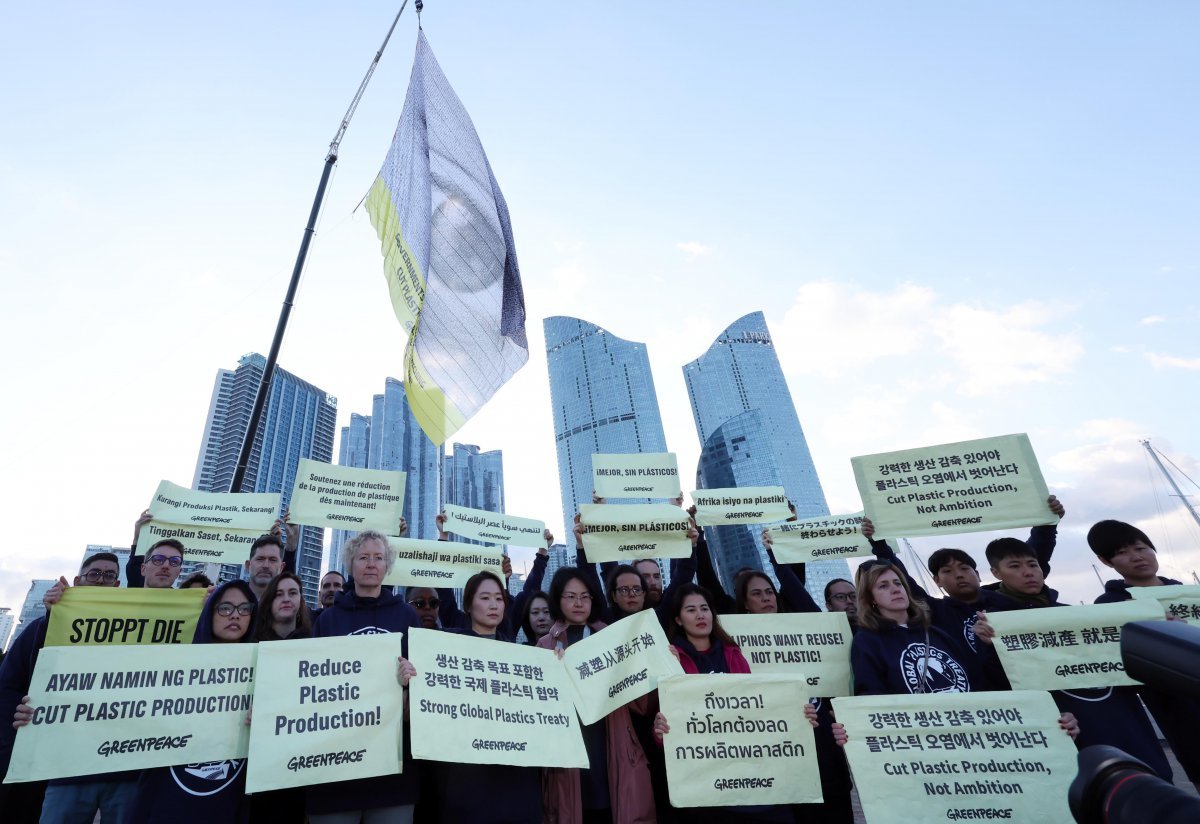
[[1117, 788]]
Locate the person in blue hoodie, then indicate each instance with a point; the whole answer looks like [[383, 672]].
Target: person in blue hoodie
[[368, 608], [213, 791], [1128, 551], [486, 793]]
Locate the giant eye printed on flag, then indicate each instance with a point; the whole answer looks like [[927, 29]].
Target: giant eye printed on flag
[[449, 256]]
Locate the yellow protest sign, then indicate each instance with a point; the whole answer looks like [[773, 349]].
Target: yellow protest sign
[[613, 667], [201, 543], [494, 527], [423, 563], [625, 532], [970, 486], [1068, 648], [174, 504], [343, 497], [738, 739], [104, 710], [743, 505], [823, 538], [91, 616], [479, 701], [816, 644], [639, 475], [1180, 601], [958, 756], [326, 709]]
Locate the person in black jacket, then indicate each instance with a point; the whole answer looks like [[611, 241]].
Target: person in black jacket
[[213, 791], [1108, 715], [23, 802], [366, 608], [1127, 550], [486, 793]]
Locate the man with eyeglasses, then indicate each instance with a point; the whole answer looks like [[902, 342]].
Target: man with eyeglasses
[[163, 562], [68, 800]]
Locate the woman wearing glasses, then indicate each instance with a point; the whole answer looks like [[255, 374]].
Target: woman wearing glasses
[[626, 591], [215, 791], [616, 785]]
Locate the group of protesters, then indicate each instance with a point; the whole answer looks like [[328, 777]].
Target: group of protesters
[[625, 781]]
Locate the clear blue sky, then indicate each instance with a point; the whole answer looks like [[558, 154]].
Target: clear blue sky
[[960, 220]]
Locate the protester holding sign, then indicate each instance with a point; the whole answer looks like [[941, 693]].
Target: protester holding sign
[[282, 616], [494, 793], [367, 608], [1126, 549], [1107, 715], [702, 646], [897, 649], [955, 571], [23, 802], [756, 596], [683, 570], [617, 781], [451, 616], [215, 791]]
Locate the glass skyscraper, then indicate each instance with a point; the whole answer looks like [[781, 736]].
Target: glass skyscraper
[[740, 374], [473, 479], [603, 400], [390, 438], [298, 421]]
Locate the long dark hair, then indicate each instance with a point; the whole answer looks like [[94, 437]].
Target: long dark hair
[[675, 631], [563, 577], [472, 586], [526, 624], [741, 585], [264, 629]]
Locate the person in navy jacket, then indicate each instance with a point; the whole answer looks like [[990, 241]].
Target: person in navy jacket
[[367, 608]]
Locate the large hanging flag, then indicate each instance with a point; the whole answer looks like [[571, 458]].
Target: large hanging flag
[[449, 256]]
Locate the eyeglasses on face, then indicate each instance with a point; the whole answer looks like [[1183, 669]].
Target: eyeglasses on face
[[226, 609], [576, 597], [159, 560], [95, 576], [425, 603], [842, 597], [627, 591]]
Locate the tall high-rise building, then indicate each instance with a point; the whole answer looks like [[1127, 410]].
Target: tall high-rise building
[[7, 622], [298, 421], [473, 479], [603, 400], [740, 373], [33, 608], [390, 438]]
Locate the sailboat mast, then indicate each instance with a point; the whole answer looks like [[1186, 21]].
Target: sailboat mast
[[1178, 492]]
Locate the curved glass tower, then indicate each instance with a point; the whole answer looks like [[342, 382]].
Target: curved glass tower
[[740, 374], [603, 400]]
